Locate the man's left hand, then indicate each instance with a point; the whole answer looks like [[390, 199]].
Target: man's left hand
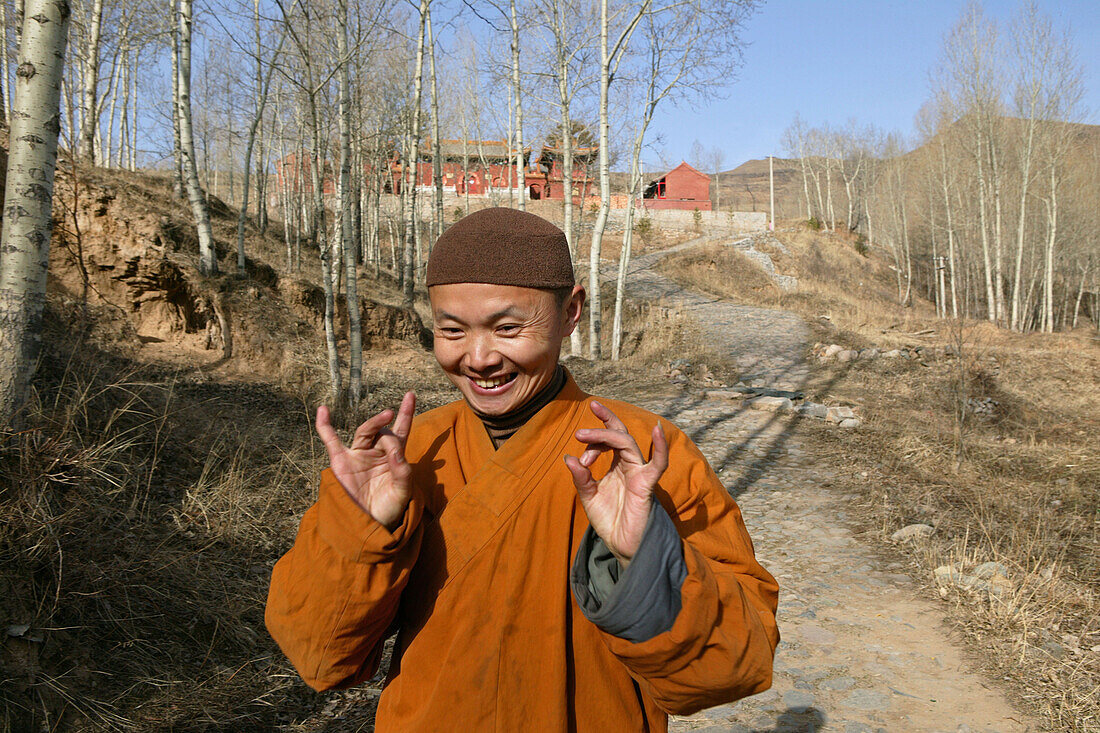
[[618, 504]]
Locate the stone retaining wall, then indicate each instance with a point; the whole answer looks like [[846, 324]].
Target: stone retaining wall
[[709, 221]]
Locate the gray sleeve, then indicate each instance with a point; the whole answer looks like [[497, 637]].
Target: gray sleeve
[[642, 601]]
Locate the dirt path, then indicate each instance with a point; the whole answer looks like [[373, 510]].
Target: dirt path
[[862, 650]]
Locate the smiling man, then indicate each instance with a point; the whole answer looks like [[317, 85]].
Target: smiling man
[[550, 561]]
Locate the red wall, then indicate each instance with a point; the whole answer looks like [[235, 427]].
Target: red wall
[[684, 189]]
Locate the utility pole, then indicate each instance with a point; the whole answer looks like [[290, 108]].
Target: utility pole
[[771, 194], [939, 265]]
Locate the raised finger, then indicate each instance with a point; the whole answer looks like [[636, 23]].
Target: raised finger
[[614, 439], [582, 477], [366, 433], [391, 444], [405, 416], [607, 417], [659, 458], [326, 431]]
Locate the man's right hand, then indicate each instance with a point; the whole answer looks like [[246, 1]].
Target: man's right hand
[[373, 470]]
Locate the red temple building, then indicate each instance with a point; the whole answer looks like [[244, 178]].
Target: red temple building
[[477, 167], [547, 179], [683, 187], [484, 164]]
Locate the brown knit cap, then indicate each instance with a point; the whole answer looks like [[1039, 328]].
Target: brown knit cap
[[502, 246]]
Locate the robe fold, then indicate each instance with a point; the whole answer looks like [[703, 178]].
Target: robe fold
[[476, 580]]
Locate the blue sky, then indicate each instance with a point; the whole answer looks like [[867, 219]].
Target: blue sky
[[831, 61]]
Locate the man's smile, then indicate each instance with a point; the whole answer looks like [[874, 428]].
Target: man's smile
[[493, 385]]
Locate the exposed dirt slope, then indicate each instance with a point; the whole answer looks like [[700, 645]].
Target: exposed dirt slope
[[123, 241]]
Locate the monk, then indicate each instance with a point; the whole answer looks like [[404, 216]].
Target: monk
[[549, 560]]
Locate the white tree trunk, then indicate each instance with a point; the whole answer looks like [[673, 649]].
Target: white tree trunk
[[90, 86], [998, 233], [608, 57], [437, 153], [124, 116], [633, 189], [950, 229], [412, 144], [521, 164], [561, 57], [594, 315], [1080, 293], [1025, 183], [28, 198], [355, 332], [132, 158], [178, 187], [991, 301], [284, 184], [208, 261], [5, 90], [1052, 238], [106, 147]]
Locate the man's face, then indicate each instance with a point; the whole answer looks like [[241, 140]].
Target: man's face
[[499, 344]]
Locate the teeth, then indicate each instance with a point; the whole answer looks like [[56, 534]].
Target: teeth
[[490, 383]]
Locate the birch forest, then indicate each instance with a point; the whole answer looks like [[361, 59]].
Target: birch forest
[[319, 114], [990, 210]]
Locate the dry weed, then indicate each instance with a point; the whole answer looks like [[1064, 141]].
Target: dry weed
[[1017, 486], [1018, 496], [142, 511], [723, 271]]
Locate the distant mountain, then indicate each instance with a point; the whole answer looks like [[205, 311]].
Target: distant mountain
[[1086, 137], [746, 187]]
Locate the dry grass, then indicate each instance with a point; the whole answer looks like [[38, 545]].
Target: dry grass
[[655, 337], [1018, 487], [720, 270], [1023, 494], [143, 508]]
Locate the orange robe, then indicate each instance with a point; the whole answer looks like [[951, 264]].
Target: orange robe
[[477, 579]]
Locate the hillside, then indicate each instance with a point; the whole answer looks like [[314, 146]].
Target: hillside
[[1085, 138], [746, 187], [168, 455]]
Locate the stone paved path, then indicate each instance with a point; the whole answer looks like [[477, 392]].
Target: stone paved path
[[862, 650], [766, 344]]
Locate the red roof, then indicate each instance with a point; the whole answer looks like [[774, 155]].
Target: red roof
[[688, 168]]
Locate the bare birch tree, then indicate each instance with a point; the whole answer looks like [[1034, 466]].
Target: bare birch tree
[[28, 197], [263, 84], [300, 20], [345, 193], [679, 59], [208, 261], [412, 147], [571, 32], [610, 57], [90, 88]]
